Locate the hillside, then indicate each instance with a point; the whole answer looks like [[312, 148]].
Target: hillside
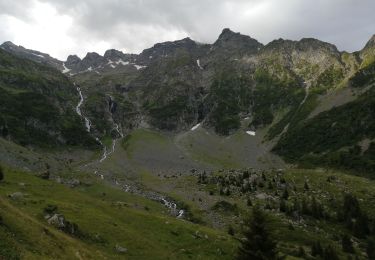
[[37, 105]]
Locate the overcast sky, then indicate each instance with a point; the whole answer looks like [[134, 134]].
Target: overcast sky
[[62, 27]]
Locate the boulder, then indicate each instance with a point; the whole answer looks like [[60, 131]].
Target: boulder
[[16, 195], [120, 249], [57, 220]]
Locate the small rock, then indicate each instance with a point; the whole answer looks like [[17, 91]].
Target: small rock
[[121, 249], [16, 195]]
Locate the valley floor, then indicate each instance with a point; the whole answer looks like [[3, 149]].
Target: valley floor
[[117, 208]]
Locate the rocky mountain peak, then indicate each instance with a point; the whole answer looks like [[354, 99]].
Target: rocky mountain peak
[[73, 59], [226, 32], [166, 49], [303, 45], [92, 60], [371, 42], [92, 56], [183, 43], [316, 44], [33, 55], [113, 54], [229, 41], [8, 44]]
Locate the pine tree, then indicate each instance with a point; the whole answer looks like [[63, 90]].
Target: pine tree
[[347, 245], [305, 206], [306, 186], [330, 253], [283, 206], [249, 202], [370, 250], [285, 195], [1, 173], [316, 209], [316, 249], [301, 252], [258, 243], [231, 231]]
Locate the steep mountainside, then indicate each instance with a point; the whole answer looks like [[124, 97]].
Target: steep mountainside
[[37, 105]]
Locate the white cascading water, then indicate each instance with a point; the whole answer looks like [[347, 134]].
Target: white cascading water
[[170, 205], [114, 141], [79, 112], [173, 207]]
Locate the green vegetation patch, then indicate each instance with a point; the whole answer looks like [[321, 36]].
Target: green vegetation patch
[[326, 138], [107, 220], [230, 95]]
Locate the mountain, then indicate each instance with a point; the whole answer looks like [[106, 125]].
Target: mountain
[[37, 105], [162, 154], [175, 85], [36, 56]]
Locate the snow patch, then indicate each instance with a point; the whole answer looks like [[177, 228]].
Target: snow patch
[[65, 70], [88, 70], [195, 127], [41, 56], [138, 67], [252, 133], [120, 61]]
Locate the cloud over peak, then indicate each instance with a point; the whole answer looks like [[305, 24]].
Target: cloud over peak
[[62, 27]]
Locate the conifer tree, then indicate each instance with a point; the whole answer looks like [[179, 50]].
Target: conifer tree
[[1, 173], [316, 249], [285, 195], [258, 243], [330, 253], [347, 245], [370, 250]]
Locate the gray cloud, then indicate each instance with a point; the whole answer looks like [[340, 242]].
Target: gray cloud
[[133, 25]]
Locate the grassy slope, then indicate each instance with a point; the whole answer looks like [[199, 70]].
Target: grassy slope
[[200, 148], [326, 138], [201, 198], [145, 233], [303, 233]]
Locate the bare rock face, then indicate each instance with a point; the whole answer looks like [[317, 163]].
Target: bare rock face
[[72, 61], [370, 43], [230, 42]]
